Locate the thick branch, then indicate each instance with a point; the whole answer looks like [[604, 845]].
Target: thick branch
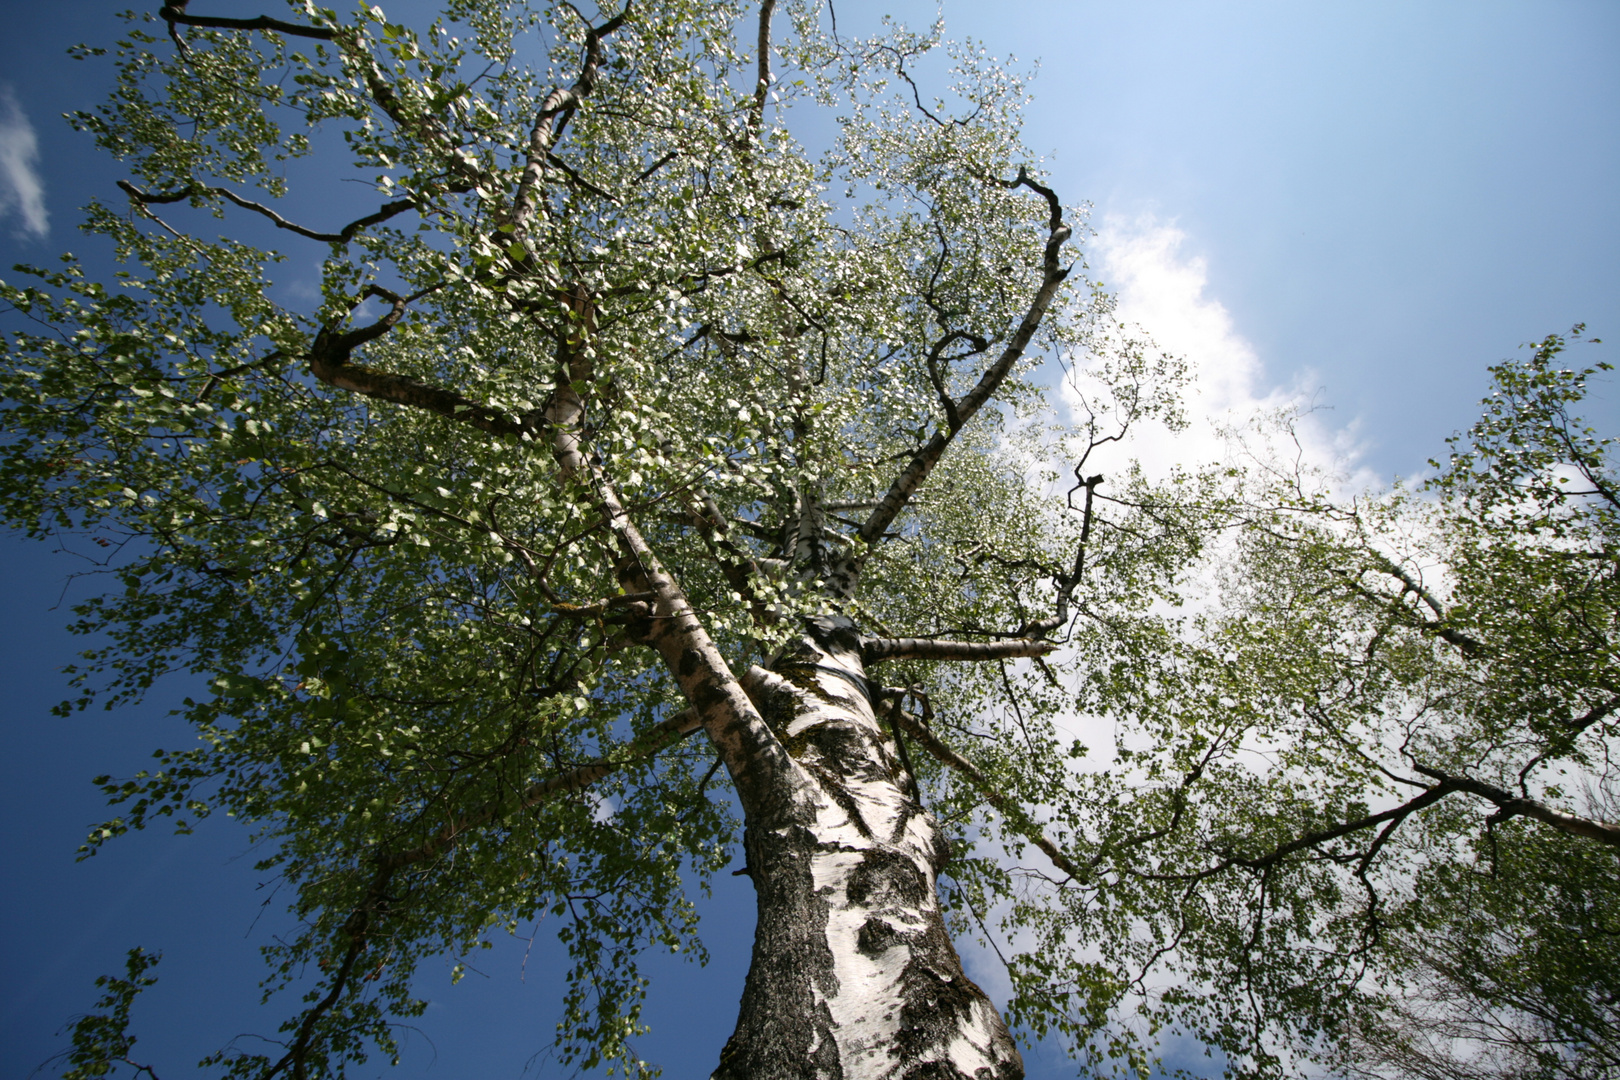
[[923, 461], [762, 84], [753, 754], [1509, 805], [175, 12], [543, 135], [329, 362], [1467, 645], [876, 649]]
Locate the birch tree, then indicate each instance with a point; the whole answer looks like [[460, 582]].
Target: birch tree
[[614, 418], [633, 489]]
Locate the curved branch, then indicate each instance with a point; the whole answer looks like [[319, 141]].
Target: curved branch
[[1397, 814], [342, 236], [928, 455], [543, 135], [356, 927]]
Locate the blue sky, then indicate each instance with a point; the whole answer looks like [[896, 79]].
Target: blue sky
[[1358, 205]]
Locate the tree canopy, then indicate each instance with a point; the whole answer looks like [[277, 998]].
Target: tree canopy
[[635, 483]]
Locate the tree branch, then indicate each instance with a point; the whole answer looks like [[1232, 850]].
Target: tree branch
[[874, 650], [1509, 805], [1469, 646], [762, 84], [754, 756], [1065, 584], [356, 927], [1010, 811], [569, 171], [1315, 839], [543, 135], [342, 236], [175, 12], [329, 362], [928, 455]]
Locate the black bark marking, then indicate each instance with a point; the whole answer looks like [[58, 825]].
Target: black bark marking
[[887, 878], [937, 1007], [877, 937], [795, 1017]]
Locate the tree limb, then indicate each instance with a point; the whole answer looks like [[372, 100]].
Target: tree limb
[[762, 83], [543, 134], [753, 754], [874, 650], [175, 12], [342, 236], [329, 362], [1065, 584], [1009, 809], [928, 455], [1509, 805], [1469, 646], [1315, 839]]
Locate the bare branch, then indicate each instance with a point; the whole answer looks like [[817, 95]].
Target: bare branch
[[874, 650], [175, 12], [342, 236]]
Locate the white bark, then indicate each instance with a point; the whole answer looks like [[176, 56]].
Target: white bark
[[854, 975]]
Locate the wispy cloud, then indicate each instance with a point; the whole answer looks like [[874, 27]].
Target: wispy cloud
[[1165, 291], [22, 192]]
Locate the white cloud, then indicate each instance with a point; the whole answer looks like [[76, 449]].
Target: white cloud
[[21, 190], [1163, 296], [1163, 291]]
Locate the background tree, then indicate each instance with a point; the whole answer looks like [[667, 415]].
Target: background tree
[[619, 417], [1415, 696]]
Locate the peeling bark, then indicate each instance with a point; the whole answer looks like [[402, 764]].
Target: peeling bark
[[853, 972]]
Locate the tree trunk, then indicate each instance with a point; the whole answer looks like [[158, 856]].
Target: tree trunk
[[853, 973]]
